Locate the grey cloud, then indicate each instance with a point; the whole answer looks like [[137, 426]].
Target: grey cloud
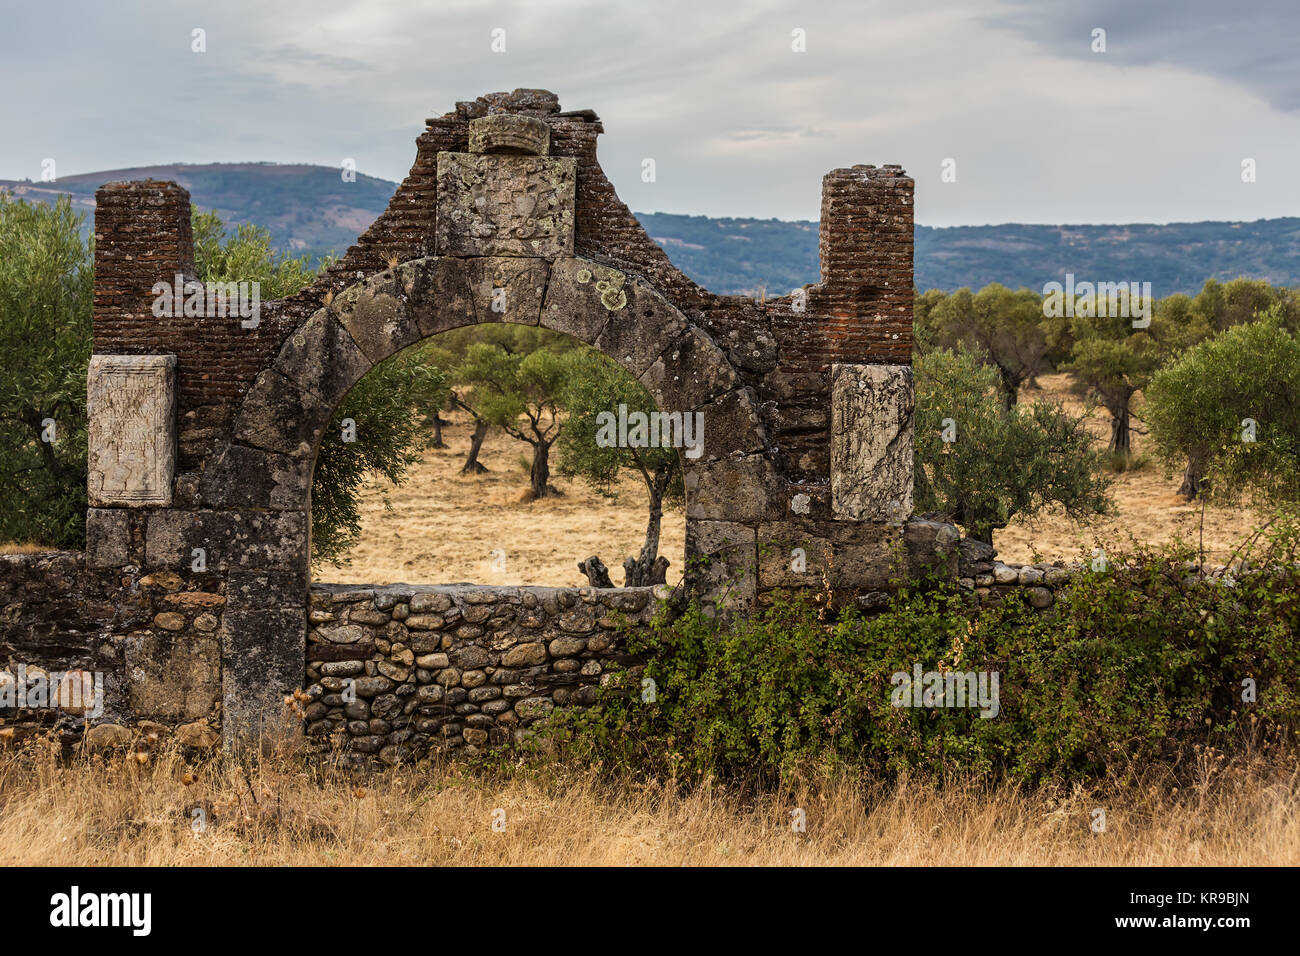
[[1248, 43]]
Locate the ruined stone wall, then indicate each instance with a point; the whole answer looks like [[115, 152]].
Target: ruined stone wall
[[396, 672], [147, 642], [806, 397]]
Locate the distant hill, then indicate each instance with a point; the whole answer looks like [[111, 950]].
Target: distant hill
[[308, 209], [311, 210]]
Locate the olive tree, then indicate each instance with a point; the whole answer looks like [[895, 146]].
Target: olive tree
[[597, 388], [1232, 404], [984, 464], [45, 333]]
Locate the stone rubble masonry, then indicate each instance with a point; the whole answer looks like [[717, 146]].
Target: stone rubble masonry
[[396, 672], [153, 637]]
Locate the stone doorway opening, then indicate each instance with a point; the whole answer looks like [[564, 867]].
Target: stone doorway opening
[[501, 454]]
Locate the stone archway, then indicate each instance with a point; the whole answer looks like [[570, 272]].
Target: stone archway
[[281, 421], [506, 215]]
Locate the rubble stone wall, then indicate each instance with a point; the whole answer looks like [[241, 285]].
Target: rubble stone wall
[[396, 672]]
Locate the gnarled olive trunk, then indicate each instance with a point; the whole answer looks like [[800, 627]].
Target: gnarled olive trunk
[[648, 567], [1121, 438], [1193, 477], [540, 474], [472, 465]]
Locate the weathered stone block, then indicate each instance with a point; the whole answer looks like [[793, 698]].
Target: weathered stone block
[[730, 426], [262, 654], [572, 305], [243, 477], [642, 325], [229, 539], [508, 290], [438, 292], [279, 416], [871, 442], [322, 358], [932, 547], [797, 553], [721, 558], [108, 537], [509, 133], [376, 316], [491, 205], [690, 374], [733, 489], [172, 676], [131, 403]]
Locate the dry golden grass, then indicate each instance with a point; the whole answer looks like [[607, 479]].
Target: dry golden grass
[[118, 811], [22, 547], [1149, 509]]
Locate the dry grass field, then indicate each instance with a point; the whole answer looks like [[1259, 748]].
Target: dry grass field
[[117, 810], [137, 808], [443, 526]]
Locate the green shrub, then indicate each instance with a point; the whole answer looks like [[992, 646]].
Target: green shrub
[[1138, 664]]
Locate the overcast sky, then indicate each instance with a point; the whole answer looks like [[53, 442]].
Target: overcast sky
[[1041, 128]]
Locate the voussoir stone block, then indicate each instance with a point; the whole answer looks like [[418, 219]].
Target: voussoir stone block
[[613, 311], [439, 294], [871, 442], [508, 290], [572, 306], [642, 328], [376, 316], [322, 358], [690, 374], [131, 446], [501, 205]]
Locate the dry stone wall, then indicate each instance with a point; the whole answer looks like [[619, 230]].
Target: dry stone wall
[[397, 672]]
